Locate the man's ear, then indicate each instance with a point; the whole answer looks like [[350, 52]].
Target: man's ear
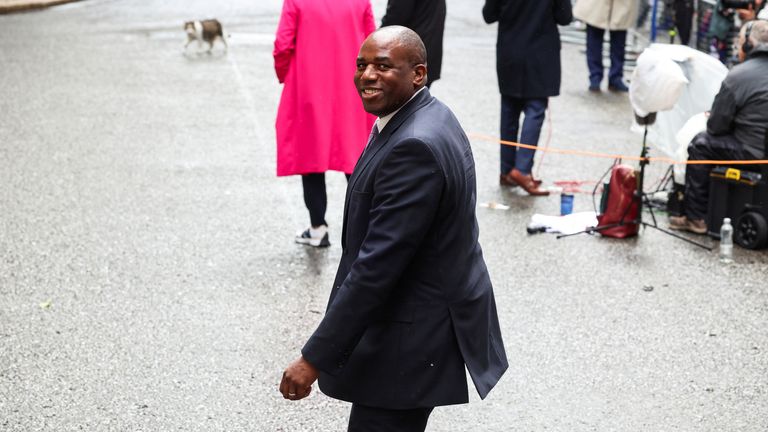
[[419, 75]]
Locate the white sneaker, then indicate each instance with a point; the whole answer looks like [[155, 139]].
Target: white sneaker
[[317, 237]]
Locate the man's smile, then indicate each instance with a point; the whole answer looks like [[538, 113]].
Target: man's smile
[[370, 92]]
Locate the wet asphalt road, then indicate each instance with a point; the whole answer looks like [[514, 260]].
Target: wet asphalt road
[[149, 282]]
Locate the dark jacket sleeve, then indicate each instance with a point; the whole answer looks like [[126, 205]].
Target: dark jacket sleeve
[[398, 12], [491, 11], [405, 198], [722, 113], [563, 12]]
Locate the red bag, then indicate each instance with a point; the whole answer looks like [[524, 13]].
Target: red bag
[[621, 205]]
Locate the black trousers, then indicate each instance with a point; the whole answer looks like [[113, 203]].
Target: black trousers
[[368, 419], [684, 19], [315, 197], [706, 147]]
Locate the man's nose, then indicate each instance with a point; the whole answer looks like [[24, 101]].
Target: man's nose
[[369, 73]]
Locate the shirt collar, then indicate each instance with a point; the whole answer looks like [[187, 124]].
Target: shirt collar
[[381, 122]]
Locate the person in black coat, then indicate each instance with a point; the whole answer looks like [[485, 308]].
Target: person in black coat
[[412, 304], [737, 127], [427, 19], [528, 69]]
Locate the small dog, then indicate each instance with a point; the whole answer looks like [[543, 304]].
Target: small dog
[[204, 31]]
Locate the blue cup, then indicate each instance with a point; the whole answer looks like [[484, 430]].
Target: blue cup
[[566, 204]]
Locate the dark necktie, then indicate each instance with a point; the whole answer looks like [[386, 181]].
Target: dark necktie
[[374, 134], [372, 138]]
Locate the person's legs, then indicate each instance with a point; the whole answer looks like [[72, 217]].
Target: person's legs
[[315, 197], [595, 56], [510, 124], [535, 111], [368, 419], [316, 202], [616, 72], [705, 147], [684, 19], [642, 14]]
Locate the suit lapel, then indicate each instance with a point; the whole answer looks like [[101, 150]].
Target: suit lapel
[[373, 148]]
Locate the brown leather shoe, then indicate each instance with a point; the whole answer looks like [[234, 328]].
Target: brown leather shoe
[[504, 180], [682, 223], [679, 223], [527, 182], [697, 226]]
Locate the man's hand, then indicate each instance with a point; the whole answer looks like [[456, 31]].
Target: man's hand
[[297, 379]]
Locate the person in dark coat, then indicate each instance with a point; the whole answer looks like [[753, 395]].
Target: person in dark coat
[[427, 19], [737, 126], [412, 304], [528, 69]]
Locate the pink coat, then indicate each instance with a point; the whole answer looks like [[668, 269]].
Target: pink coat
[[321, 124]]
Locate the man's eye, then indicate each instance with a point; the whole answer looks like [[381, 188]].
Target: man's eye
[[382, 67]]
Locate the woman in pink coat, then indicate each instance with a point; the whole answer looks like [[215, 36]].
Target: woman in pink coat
[[321, 124]]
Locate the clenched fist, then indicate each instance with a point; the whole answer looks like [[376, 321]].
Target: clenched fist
[[297, 379]]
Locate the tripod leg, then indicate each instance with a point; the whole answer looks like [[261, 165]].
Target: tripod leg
[[592, 230], [678, 236], [650, 210]]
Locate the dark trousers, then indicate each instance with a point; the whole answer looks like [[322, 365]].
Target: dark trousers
[[511, 108], [315, 197], [706, 147], [684, 19], [368, 419], [595, 55]]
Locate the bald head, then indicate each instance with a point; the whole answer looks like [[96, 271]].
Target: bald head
[[391, 68], [405, 38]]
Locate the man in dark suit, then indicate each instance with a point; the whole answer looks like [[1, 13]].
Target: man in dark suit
[[427, 19], [528, 68], [412, 302]]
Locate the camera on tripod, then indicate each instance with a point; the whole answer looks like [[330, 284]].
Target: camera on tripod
[[738, 4]]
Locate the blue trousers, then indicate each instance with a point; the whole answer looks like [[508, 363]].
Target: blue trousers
[[511, 108], [595, 55]]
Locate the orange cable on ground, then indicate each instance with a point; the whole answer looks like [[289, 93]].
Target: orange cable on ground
[[613, 156]]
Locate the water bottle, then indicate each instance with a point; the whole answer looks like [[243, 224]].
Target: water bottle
[[726, 241]]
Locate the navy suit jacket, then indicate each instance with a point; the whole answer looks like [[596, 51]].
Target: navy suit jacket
[[412, 302]]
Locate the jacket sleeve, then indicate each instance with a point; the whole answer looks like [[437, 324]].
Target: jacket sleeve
[[399, 12], [405, 198], [491, 11], [285, 40], [723, 110], [369, 24], [563, 12]]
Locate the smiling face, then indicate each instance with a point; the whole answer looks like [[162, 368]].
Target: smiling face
[[386, 75]]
